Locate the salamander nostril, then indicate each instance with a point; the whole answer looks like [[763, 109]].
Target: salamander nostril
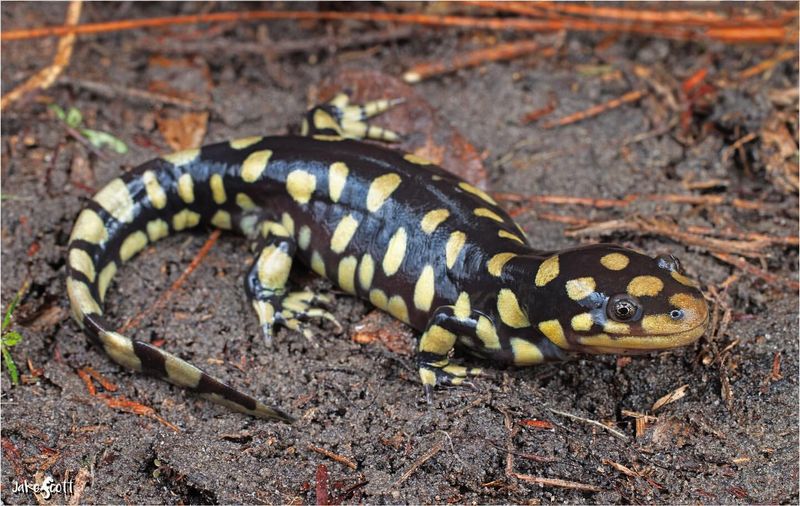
[[676, 314]]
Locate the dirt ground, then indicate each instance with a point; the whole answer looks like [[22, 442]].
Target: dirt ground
[[716, 137]]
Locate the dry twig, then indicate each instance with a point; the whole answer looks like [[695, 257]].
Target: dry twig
[[499, 52], [416, 465], [555, 482], [741, 263], [45, 77], [603, 426], [110, 90], [631, 96], [334, 456], [752, 33], [670, 231]]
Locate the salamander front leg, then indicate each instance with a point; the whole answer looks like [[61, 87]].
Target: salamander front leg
[[438, 340], [266, 282]]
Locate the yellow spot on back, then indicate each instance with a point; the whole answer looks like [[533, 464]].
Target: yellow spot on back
[[580, 288], [82, 262], [366, 271], [645, 286], [273, 228], [453, 247], [548, 271], [186, 188], [510, 312], [615, 261], [185, 219], [116, 199], [424, 289], [154, 190], [380, 190], [509, 235], [301, 184], [487, 333], [157, 229], [182, 157], [304, 237], [397, 308], [433, 219], [81, 300], [245, 142], [337, 178], [317, 263], [395, 252], [582, 322], [217, 189], [288, 223], [378, 299], [221, 219], [254, 165], [525, 352], [553, 331], [273, 267], [486, 213], [347, 274], [462, 308], [132, 244], [105, 279], [477, 192], [245, 202], [412, 158], [343, 233], [89, 227], [496, 263], [680, 278]]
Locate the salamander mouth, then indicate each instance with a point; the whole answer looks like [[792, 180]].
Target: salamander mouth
[[604, 343]]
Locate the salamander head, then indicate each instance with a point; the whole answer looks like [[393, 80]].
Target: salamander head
[[610, 299]]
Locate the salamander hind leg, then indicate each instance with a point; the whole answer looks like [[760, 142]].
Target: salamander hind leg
[[266, 285], [435, 345], [339, 118]]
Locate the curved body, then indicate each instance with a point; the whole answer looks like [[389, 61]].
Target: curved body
[[413, 239]]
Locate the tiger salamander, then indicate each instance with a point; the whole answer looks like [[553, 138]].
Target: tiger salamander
[[415, 240]]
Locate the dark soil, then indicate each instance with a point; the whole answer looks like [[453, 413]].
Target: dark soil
[[733, 438]]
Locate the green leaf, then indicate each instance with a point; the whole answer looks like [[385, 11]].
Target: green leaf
[[10, 311], [100, 139], [12, 338], [11, 366], [58, 111], [74, 117]]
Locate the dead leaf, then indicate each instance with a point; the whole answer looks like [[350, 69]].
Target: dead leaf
[[379, 326], [184, 132]]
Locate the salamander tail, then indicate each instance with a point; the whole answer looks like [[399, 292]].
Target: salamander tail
[[145, 357]]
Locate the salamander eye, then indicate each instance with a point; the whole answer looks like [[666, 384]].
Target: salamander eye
[[676, 314], [623, 308]]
